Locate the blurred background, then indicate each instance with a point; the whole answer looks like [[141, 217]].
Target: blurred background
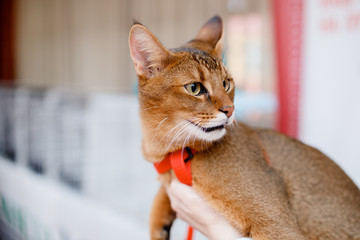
[[70, 142]]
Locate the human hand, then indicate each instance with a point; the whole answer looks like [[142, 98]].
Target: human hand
[[194, 210]]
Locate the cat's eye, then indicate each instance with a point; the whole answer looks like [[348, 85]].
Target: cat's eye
[[195, 88], [226, 84]]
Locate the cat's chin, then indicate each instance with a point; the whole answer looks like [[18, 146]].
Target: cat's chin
[[209, 134], [213, 135]]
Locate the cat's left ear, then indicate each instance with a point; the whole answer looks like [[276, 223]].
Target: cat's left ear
[[148, 54], [212, 34]]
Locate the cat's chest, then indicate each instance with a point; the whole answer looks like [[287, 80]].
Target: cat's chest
[[234, 159]]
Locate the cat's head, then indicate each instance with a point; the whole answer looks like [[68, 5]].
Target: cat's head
[[185, 94]]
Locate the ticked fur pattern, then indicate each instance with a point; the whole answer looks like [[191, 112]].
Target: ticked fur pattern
[[186, 100]]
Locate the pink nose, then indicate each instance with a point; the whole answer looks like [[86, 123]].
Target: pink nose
[[228, 110]]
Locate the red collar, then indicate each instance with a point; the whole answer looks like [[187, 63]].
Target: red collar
[[180, 163]]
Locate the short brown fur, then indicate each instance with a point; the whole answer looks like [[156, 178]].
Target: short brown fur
[[301, 194]]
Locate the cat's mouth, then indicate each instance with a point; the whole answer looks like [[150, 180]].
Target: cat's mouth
[[208, 129]]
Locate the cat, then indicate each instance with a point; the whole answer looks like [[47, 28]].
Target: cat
[[268, 185]]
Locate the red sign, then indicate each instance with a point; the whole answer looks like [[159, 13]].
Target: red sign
[[288, 23]]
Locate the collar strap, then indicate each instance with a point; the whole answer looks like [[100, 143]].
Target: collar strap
[[180, 163]]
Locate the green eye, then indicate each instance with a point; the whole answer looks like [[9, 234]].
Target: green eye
[[226, 84], [194, 88]]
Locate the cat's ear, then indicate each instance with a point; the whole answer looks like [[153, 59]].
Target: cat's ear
[[148, 54], [212, 34]]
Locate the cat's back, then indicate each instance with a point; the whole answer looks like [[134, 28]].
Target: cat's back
[[325, 200]]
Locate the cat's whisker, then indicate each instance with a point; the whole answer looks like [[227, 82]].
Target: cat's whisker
[[161, 122], [191, 134], [187, 131], [187, 139], [202, 140], [183, 133], [195, 138], [181, 130], [146, 109], [180, 125], [188, 128], [197, 133], [168, 133]]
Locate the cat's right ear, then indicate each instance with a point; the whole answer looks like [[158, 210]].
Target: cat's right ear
[[148, 54]]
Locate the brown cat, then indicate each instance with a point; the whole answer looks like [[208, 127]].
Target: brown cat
[[186, 100]]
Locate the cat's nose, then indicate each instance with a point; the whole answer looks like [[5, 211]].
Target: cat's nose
[[228, 110]]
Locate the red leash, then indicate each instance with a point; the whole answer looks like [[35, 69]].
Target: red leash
[[180, 163]]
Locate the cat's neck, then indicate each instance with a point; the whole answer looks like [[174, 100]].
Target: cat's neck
[[156, 149]]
